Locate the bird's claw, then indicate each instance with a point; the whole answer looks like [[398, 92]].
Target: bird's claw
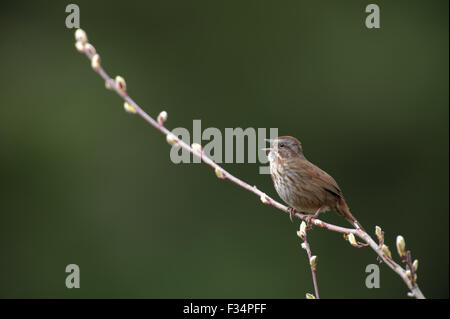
[[309, 223], [291, 213], [308, 218]]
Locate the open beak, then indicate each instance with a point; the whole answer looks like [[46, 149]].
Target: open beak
[[268, 149]]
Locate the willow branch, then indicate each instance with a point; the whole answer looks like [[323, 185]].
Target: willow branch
[[311, 259], [118, 85]]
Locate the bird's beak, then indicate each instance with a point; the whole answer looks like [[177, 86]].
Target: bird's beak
[[269, 140], [268, 149]]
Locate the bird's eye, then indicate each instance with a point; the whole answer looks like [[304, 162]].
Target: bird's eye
[[281, 145]]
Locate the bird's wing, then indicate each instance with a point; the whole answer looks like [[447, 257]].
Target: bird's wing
[[323, 180]]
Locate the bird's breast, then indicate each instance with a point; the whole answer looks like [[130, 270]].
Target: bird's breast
[[292, 187]]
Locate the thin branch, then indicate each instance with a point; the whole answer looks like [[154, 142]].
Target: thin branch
[[311, 259], [118, 85]]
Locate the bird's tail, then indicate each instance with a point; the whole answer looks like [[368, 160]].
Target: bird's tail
[[343, 210]]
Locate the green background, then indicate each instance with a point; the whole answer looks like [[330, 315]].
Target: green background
[[83, 182]]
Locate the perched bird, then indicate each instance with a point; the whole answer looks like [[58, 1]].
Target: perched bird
[[301, 184]]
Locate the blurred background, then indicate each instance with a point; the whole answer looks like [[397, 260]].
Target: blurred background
[[83, 182]]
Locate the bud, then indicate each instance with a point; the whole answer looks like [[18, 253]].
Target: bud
[[90, 49], [120, 82], [197, 147], [303, 244], [317, 222], [302, 230], [386, 251], [95, 62], [81, 36], [379, 233], [162, 117], [109, 84], [313, 262], [310, 296], [129, 108], [219, 174], [408, 274], [352, 240], [171, 139], [401, 246], [80, 46], [264, 199], [415, 265]]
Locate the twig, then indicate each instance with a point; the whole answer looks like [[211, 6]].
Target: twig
[[312, 259], [119, 86]]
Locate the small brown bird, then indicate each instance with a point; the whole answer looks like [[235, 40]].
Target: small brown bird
[[301, 184]]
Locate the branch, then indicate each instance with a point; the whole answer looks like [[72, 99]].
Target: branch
[[312, 260], [118, 85]]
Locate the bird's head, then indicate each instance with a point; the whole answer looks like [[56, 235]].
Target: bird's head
[[283, 147]]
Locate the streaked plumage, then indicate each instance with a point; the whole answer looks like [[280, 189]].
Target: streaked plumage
[[301, 184]]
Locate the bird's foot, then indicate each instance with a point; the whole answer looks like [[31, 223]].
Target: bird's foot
[[308, 219], [292, 212]]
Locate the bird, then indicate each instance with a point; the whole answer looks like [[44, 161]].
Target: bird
[[302, 185]]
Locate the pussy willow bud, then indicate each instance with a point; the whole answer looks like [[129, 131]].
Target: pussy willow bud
[[303, 244], [196, 147], [313, 262], [95, 62], [121, 84], [415, 265], [408, 274], [264, 199], [302, 230], [109, 84], [219, 174], [317, 222], [90, 49], [162, 117], [80, 46], [401, 246], [386, 251], [352, 240], [310, 296], [81, 36], [129, 108], [379, 233], [171, 139]]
